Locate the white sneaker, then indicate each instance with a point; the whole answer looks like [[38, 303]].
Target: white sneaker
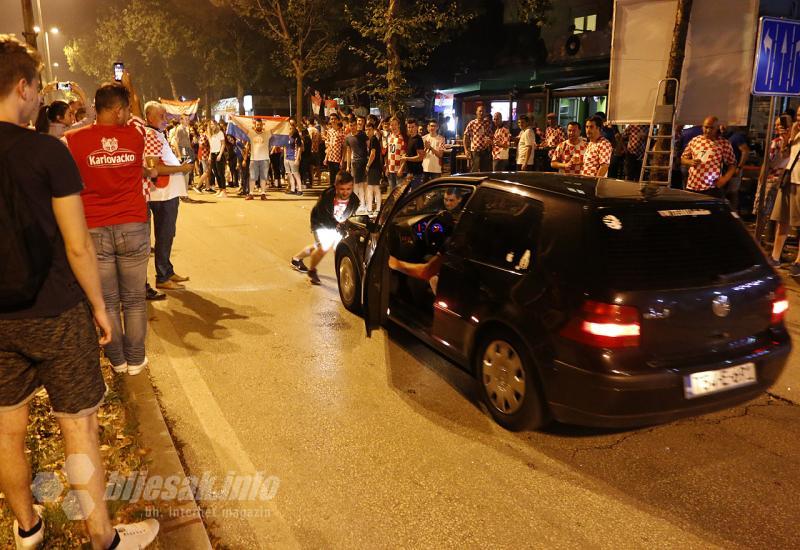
[[133, 370], [136, 536], [121, 369], [34, 540]]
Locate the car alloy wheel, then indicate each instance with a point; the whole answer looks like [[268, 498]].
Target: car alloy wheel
[[349, 283], [503, 377], [346, 280]]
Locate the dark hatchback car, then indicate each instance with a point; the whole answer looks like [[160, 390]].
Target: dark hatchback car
[[588, 301]]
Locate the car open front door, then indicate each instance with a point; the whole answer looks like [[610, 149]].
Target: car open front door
[[375, 297], [376, 288]]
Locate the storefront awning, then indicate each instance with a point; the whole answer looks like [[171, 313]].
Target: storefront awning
[[598, 87]]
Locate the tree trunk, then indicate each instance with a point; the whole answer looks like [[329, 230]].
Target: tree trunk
[[394, 78], [298, 75], [240, 96], [676, 54], [172, 87], [674, 70]]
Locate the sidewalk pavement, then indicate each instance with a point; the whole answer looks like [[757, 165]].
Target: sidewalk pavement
[[788, 385], [181, 521]]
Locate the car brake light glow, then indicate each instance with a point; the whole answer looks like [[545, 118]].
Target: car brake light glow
[[605, 325], [779, 305], [611, 330]]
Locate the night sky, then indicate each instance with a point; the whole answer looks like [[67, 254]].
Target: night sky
[[72, 17]]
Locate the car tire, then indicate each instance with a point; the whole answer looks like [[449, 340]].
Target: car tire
[[349, 279], [509, 382]]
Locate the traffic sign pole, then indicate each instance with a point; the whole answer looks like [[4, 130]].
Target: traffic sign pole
[[761, 218]]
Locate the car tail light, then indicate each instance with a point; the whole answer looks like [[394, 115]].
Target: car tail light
[[605, 325], [779, 305]]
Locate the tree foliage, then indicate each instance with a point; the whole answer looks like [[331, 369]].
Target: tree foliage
[[305, 31], [400, 35], [534, 11], [173, 48]]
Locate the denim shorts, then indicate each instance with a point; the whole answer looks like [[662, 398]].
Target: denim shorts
[[60, 353], [259, 170]]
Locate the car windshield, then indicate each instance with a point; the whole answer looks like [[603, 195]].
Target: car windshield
[[388, 204]]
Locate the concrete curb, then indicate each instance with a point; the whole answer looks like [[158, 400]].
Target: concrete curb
[[181, 522]]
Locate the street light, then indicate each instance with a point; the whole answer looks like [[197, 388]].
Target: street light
[[53, 30]]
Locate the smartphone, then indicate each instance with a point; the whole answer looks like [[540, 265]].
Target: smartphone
[[65, 86], [119, 68]]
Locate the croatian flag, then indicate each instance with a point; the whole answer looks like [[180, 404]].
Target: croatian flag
[[178, 108], [241, 127]]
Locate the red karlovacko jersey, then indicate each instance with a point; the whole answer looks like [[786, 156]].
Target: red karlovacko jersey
[[109, 159]]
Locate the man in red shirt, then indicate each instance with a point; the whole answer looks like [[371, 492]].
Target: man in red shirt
[[706, 155], [478, 140], [334, 147], [109, 155], [597, 154]]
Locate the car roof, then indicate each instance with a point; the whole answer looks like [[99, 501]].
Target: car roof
[[588, 189]]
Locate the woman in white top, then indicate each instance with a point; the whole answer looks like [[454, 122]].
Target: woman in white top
[[434, 151], [216, 143]]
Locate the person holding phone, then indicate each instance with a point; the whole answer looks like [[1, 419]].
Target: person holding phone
[[706, 155], [59, 116]]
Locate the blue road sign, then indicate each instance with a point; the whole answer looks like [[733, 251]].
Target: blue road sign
[[777, 65]]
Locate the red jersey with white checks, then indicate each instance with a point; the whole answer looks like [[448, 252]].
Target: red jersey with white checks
[[479, 133], [334, 145], [712, 155], [109, 158], [501, 143], [595, 155], [396, 147], [553, 136], [202, 147], [635, 135], [565, 151]]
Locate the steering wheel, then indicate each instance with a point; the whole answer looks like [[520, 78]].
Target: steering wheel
[[439, 228]]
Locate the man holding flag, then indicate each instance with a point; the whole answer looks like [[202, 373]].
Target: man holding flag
[[257, 134]]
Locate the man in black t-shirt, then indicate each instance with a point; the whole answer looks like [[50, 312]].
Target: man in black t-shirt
[[53, 341], [415, 154], [374, 169], [355, 157]]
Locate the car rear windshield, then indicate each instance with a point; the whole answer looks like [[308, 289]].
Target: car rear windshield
[[660, 247]]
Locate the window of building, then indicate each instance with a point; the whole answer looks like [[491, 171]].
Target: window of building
[[505, 108], [586, 23]]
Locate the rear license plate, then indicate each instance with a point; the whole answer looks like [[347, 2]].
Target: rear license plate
[[713, 381]]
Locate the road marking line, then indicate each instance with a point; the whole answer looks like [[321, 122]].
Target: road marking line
[[225, 443]]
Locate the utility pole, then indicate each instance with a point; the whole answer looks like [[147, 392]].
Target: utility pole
[[27, 17]]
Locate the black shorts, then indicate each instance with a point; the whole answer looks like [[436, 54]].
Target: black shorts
[[373, 177], [60, 353], [359, 172]]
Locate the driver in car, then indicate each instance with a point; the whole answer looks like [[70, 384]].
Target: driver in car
[[429, 271]]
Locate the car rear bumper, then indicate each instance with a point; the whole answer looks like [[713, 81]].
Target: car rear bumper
[[578, 396]]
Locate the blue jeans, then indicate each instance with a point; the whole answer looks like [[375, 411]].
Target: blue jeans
[[122, 253], [165, 217]]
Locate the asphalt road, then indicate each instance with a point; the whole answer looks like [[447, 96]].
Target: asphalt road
[[381, 443]]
